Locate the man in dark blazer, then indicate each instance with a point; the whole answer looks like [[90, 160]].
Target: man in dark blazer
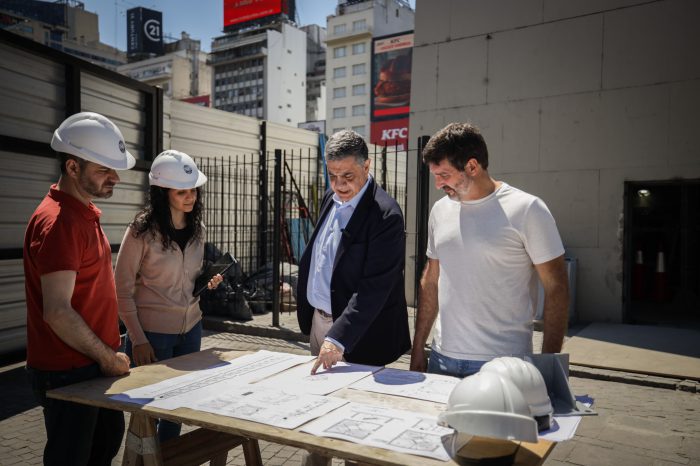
[[350, 293]]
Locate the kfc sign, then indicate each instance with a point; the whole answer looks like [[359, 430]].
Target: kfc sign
[[390, 133]]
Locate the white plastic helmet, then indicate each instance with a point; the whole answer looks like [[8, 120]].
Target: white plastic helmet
[[95, 138], [529, 381], [487, 404], [175, 170]]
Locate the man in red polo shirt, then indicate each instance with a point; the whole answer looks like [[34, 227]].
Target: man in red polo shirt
[[72, 323]]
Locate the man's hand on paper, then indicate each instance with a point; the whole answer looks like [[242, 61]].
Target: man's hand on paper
[[329, 355]]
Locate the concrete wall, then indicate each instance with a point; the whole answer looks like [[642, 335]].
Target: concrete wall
[[573, 98]]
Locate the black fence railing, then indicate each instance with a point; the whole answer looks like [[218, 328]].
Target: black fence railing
[[263, 208]]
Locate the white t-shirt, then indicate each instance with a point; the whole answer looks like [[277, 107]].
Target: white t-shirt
[[488, 284]]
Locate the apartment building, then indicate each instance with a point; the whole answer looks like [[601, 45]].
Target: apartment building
[[349, 36], [261, 73]]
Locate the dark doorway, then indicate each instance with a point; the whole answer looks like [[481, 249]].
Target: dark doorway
[[662, 252]]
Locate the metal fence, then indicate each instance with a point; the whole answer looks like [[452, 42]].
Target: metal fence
[[263, 207]]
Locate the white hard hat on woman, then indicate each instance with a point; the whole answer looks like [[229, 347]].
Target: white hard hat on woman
[[175, 170], [93, 137]]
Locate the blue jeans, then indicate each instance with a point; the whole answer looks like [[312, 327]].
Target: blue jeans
[[76, 434], [445, 365], [166, 346]]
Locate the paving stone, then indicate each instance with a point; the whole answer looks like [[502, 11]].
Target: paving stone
[[658, 462], [592, 455], [562, 450], [690, 448]]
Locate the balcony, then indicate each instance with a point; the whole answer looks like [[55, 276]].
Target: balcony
[[348, 34]]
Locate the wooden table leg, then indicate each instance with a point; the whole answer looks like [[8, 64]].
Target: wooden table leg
[[141, 446], [251, 452]]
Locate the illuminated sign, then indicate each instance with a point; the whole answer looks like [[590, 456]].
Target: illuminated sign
[[240, 11]]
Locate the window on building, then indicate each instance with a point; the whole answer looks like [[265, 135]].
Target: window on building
[[359, 25], [339, 28], [339, 112], [358, 48], [358, 110], [359, 130], [359, 89], [335, 130], [340, 72], [339, 52], [358, 69], [338, 92]]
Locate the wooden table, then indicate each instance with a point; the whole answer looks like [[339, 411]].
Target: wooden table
[[219, 433]]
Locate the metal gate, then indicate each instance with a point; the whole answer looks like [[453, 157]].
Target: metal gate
[[263, 207]]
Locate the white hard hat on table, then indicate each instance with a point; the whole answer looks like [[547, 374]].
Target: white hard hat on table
[[487, 404], [529, 381], [93, 137]]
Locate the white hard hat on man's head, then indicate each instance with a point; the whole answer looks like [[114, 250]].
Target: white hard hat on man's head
[[93, 137], [175, 170]]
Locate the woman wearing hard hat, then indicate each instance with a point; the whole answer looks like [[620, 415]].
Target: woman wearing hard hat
[[159, 259]]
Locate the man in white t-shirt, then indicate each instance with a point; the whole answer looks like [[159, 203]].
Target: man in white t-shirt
[[487, 244]]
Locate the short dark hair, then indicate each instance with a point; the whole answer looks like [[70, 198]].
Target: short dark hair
[[458, 143], [64, 157], [346, 143]]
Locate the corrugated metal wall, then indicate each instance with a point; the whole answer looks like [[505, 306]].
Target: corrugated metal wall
[[31, 105], [33, 102]]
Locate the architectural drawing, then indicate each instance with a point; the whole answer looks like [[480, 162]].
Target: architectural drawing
[[268, 406], [430, 387], [185, 390], [393, 429], [325, 381], [419, 441]]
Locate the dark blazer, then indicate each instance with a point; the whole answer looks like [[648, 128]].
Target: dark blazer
[[367, 287]]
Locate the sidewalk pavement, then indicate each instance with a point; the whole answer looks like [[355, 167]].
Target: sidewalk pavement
[[640, 421]]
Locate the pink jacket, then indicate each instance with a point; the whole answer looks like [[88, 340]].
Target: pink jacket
[[154, 287]]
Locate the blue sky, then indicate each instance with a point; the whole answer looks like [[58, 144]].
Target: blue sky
[[201, 19]]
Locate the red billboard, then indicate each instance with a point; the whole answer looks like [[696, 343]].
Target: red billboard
[[392, 133], [240, 11]]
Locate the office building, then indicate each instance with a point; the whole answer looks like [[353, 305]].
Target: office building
[[182, 71]]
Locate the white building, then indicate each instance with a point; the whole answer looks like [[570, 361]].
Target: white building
[[349, 57], [261, 73], [182, 72]]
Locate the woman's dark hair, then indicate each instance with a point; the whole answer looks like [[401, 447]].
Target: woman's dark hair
[[155, 217]]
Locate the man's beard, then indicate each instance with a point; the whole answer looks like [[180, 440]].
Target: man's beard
[[93, 189], [451, 193]]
